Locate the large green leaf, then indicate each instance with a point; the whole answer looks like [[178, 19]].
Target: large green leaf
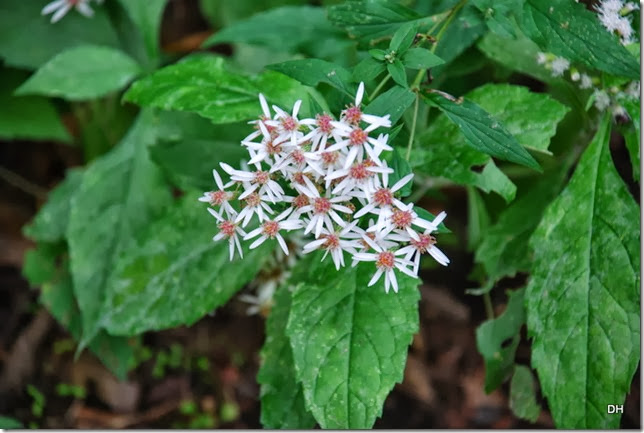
[[394, 102], [313, 71], [523, 401], [464, 30], [82, 72], [282, 397], [118, 195], [147, 17], [497, 341], [570, 30], [28, 39], [482, 131], [350, 341], [50, 223], [176, 274], [27, 117], [583, 300], [204, 85], [374, 19]]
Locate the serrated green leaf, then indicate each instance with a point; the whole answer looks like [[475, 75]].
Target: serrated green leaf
[[118, 195], [27, 117], [398, 73], [175, 274], [83, 72], [393, 102], [368, 69], [289, 28], [374, 19], [504, 247], [147, 17], [21, 23], [583, 300], [497, 341], [189, 147], [568, 29], [205, 86], [350, 341], [50, 223], [313, 71], [523, 401], [482, 131], [282, 398], [420, 58], [403, 38]]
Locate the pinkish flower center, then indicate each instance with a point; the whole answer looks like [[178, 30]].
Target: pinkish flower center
[[300, 201], [261, 177], [270, 228], [402, 219], [385, 260], [298, 177], [332, 242], [253, 200], [272, 148], [218, 197], [371, 236], [321, 205], [227, 228], [423, 244], [324, 123], [329, 158], [383, 197], [359, 172], [289, 124], [298, 157], [357, 136], [353, 114]]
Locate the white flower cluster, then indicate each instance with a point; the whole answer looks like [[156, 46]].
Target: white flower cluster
[[59, 8], [323, 177], [615, 16]]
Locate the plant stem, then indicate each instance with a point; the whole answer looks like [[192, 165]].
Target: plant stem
[[489, 311], [413, 128], [20, 182], [448, 21], [379, 87]]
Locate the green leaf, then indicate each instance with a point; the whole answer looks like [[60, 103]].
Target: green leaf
[[398, 73], [176, 274], [350, 341], [21, 23], [583, 300], [83, 72], [632, 138], [403, 38], [147, 17], [7, 422], [187, 152], [420, 58], [504, 247], [313, 71], [478, 219], [374, 19], [464, 30], [282, 398], [368, 69], [497, 341], [50, 223], [27, 117], [118, 195], [393, 102], [401, 169], [204, 85], [523, 401], [568, 29], [289, 28], [499, 15], [482, 131]]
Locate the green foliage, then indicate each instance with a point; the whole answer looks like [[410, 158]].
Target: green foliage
[[173, 258], [478, 219], [481, 130], [206, 86], [633, 135], [393, 102], [27, 117], [350, 342], [7, 422], [497, 341], [523, 401], [121, 191], [282, 396], [466, 28], [147, 17], [420, 58], [313, 71], [82, 72], [568, 29], [28, 39], [499, 13], [583, 300]]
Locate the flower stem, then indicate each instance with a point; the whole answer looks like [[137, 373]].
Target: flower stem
[[447, 22], [379, 87], [489, 310], [413, 128]]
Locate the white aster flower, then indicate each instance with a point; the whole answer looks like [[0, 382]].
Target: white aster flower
[[324, 210], [263, 301], [61, 7], [386, 263], [270, 229], [403, 219], [360, 175], [287, 124], [425, 244], [586, 82], [254, 204], [220, 197], [333, 242], [261, 125], [259, 181], [357, 141], [542, 58], [353, 115], [383, 196], [228, 229], [559, 66], [602, 100]]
